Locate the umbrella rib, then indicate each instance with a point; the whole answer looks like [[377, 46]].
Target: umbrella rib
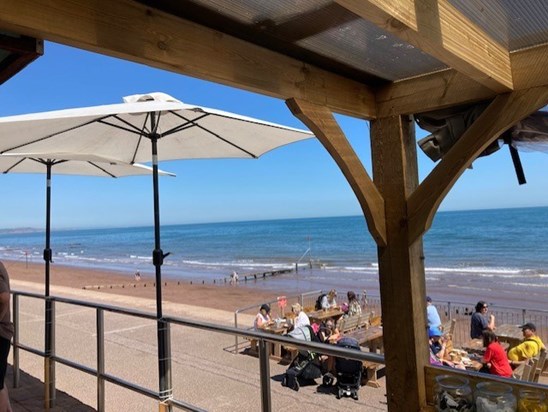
[[55, 134], [102, 169], [193, 123], [131, 128]]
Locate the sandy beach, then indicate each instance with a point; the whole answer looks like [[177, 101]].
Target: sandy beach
[[219, 296]]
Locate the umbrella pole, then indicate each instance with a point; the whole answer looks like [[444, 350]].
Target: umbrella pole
[[49, 363], [164, 348]]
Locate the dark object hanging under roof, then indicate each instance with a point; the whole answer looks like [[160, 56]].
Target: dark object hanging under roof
[[448, 125]]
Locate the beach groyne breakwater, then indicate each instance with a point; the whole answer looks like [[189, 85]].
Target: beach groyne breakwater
[[244, 277]]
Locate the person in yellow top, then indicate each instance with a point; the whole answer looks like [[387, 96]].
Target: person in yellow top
[[529, 348]]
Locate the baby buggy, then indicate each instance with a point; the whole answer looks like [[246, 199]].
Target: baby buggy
[[349, 372], [306, 366]]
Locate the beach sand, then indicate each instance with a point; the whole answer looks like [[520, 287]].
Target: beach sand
[[217, 296]]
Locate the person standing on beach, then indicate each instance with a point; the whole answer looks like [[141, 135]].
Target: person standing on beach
[[480, 322], [6, 333], [432, 315]]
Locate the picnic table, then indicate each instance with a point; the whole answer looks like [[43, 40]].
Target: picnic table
[[276, 348], [370, 337], [510, 334], [321, 315]]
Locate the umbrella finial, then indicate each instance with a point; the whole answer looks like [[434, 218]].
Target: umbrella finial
[[155, 96]]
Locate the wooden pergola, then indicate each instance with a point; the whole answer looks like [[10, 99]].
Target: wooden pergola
[[380, 60]]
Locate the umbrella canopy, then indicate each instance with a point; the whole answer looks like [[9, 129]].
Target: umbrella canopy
[[120, 131], [83, 165], [146, 128]]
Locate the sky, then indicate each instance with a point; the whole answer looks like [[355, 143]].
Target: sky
[[295, 181]]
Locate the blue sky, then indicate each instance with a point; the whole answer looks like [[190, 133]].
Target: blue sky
[[299, 180]]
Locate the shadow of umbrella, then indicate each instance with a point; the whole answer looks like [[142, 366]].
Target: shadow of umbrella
[[147, 128]]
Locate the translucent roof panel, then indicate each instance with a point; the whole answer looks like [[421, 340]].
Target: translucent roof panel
[[328, 30], [515, 24]]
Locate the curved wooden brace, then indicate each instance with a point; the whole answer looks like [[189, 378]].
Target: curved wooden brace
[[502, 113], [320, 120]]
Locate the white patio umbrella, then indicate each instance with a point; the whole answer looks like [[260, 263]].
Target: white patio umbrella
[[147, 128], [74, 164], [82, 165]]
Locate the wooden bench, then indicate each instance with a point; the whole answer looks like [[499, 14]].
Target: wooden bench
[[370, 377]]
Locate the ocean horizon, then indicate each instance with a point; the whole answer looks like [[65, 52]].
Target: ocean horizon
[[499, 251]]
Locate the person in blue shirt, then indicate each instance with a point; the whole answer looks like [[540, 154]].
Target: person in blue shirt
[[432, 314], [480, 321]]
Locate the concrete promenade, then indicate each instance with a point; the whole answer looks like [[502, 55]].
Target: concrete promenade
[[205, 371]]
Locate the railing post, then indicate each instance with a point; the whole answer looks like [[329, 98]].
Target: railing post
[[164, 365], [15, 315], [100, 360], [236, 337], [523, 315], [265, 375], [449, 311], [49, 363]]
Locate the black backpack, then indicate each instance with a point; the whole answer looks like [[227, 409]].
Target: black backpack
[[319, 301]]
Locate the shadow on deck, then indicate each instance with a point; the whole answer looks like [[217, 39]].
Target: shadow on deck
[[29, 396]]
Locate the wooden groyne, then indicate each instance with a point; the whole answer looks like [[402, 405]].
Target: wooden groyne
[[244, 277]]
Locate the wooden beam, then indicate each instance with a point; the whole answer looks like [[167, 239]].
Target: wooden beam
[[23, 51], [502, 113], [320, 120], [450, 88], [132, 31], [439, 29], [401, 268]]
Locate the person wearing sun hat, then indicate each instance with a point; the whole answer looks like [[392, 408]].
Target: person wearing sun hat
[[529, 348]]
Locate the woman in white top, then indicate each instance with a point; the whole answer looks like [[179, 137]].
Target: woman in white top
[[301, 318], [263, 318], [329, 301]]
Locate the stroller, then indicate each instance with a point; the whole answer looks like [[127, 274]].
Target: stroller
[[349, 372], [306, 366]]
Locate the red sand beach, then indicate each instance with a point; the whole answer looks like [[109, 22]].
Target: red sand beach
[[221, 296]]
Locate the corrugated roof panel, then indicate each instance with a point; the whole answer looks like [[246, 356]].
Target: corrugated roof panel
[[362, 45], [515, 24]]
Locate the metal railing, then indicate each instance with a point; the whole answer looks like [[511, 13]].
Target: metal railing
[[103, 376]]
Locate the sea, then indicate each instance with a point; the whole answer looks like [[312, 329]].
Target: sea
[[499, 255]]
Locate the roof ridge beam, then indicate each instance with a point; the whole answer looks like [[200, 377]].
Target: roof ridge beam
[[439, 29]]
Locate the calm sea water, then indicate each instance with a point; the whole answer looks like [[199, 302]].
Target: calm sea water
[[501, 253]]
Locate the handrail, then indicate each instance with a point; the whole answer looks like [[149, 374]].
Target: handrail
[[261, 337]]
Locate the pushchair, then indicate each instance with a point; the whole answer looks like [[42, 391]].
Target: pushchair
[[349, 372], [306, 365]]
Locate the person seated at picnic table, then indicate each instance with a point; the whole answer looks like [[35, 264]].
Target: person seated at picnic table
[[328, 301], [263, 319], [438, 347], [354, 308], [529, 348], [432, 315], [480, 321], [494, 359], [301, 318], [328, 332]]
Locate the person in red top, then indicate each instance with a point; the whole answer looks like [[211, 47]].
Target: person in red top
[[495, 356]]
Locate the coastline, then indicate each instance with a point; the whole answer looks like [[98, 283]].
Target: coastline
[[218, 296]]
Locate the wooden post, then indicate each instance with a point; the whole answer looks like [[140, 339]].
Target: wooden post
[[401, 267]]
